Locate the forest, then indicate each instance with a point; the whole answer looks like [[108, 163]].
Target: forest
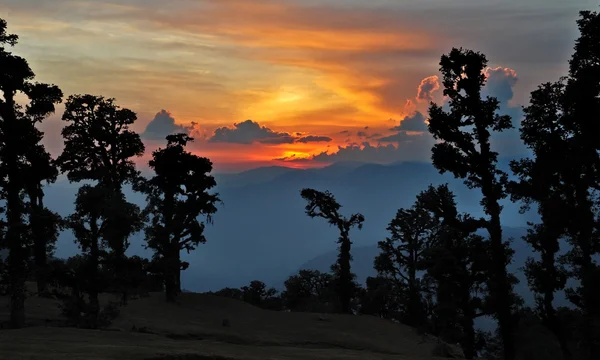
[[436, 273]]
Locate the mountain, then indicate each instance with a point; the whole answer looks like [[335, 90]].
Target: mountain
[[261, 231]]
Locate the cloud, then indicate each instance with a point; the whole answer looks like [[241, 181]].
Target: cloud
[[162, 125], [415, 122], [248, 132], [361, 134], [427, 87], [410, 127], [418, 150], [313, 138], [500, 83]]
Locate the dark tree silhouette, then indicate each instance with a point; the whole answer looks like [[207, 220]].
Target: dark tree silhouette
[[457, 262], [412, 233], [540, 183], [177, 195], [582, 106], [98, 216], [309, 290], [563, 181], [99, 146], [324, 205], [257, 294], [44, 225], [17, 138], [380, 298], [465, 151]]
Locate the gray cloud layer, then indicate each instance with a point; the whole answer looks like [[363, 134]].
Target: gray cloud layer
[[162, 125]]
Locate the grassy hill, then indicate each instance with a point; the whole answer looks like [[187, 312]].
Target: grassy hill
[[148, 328]]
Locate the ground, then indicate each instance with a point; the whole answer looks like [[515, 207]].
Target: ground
[[149, 328]]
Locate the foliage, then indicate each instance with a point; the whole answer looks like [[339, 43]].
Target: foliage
[[465, 150], [323, 205], [309, 290], [177, 195], [19, 151]]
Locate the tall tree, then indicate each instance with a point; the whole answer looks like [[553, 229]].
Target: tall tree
[[582, 106], [540, 183], [16, 140], [309, 290], [44, 225], [99, 146], [98, 217], [457, 262], [412, 233], [324, 205], [177, 195], [465, 151]]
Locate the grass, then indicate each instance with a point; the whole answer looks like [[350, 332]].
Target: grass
[[149, 328]]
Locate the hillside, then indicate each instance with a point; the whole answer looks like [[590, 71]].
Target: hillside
[[193, 329]]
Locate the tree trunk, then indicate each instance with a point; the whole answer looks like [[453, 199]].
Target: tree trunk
[[468, 326], [39, 242], [94, 261], [344, 275], [172, 270], [500, 289], [18, 254]]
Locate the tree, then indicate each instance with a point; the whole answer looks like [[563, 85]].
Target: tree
[[44, 225], [457, 262], [309, 290], [465, 151], [381, 298], [16, 140], [412, 232], [98, 218], [257, 294], [177, 195], [324, 205], [540, 183], [99, 146], [582, 105]]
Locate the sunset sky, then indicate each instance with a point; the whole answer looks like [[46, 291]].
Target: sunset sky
[[287, 82]]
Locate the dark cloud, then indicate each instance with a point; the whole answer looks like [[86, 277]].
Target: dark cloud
[[249, 132], [312, 138], [162, 125], [500, 83], [366, 128], [361, 134], [417, 150], [427, 87], [345, 132], [398, 137], [415, 122]]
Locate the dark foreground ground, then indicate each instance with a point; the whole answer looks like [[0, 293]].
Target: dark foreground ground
[[148, 328]]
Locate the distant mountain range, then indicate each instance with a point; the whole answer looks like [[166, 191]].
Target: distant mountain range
[[261, 230]]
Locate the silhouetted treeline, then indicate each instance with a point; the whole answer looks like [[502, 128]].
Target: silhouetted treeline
[[436, 270]]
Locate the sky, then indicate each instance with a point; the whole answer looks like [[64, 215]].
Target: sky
[[298, 83]]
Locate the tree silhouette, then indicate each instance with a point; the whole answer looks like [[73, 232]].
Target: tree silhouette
[[324, 205], [465, 151], [457, 262], [16, 141], [44, 225], [177, 195], [540, 183], [582, 105], [380, 297], [412, 232], [98, 216], [309, 290], [99, 146]]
